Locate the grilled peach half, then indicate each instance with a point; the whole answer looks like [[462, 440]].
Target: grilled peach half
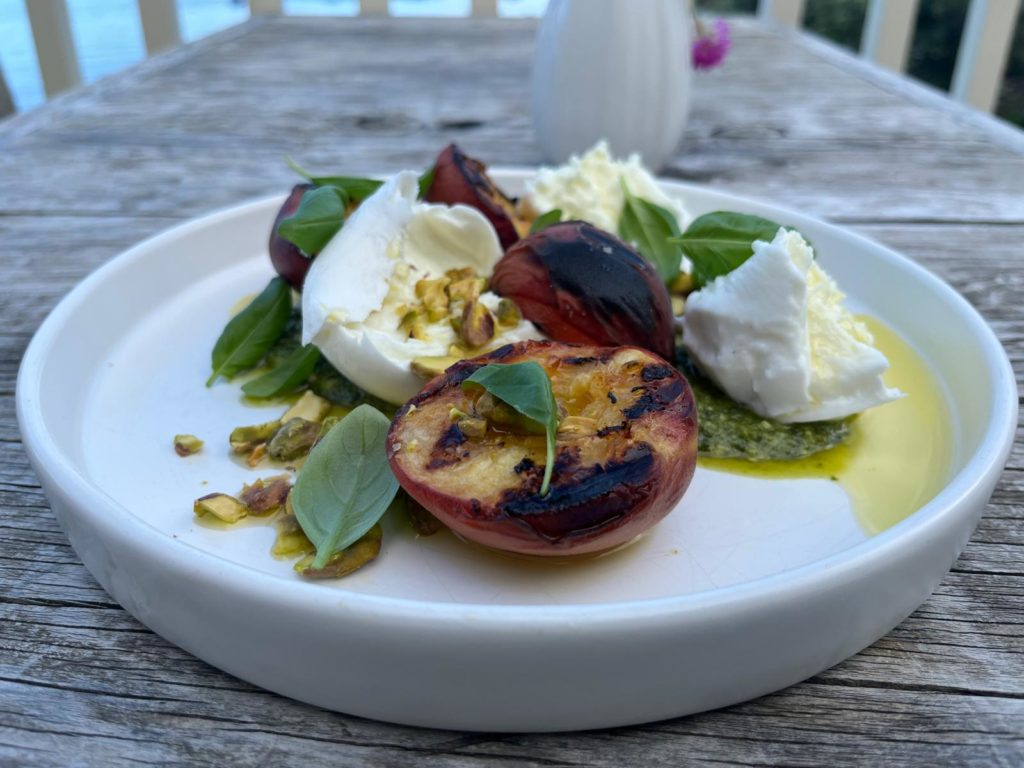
[[580, 284], [626, 451], [459, 178]]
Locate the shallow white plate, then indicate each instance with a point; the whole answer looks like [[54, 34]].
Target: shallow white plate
[[749, 586]]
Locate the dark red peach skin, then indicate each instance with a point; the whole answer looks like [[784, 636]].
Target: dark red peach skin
[[289, 262], [588, 510], [458, 178], [580, 284]]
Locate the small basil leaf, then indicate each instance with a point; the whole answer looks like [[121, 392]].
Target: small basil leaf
[[317, 219], [346, 484], [251, 333], [426, 180], [651, 228], [354, 188], [526, 388], [289, 374], [716, 243], [545, 220]]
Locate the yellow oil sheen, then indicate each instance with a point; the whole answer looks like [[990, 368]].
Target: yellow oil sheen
[[900, 453]]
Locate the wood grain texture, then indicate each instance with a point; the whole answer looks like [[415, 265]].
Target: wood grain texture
[[83, 683]]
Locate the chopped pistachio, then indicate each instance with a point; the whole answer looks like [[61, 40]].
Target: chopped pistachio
[[505, 417], [294, 439], [682, 284], [186, 445], [347, 560], [291, 541], [434, 296], [576, 426], [408, 320], [244, 439], [472, 427], [225, 508], [508, 313], [467, 288], [328, 424], [420, 329], [266, 495], [310, 407], [462, 273], [678, 305], [455, 413], [477, 324], [256, 455], [430, 366]]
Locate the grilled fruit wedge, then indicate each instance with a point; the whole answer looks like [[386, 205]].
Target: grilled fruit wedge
[[626, 451], [580, 284], [459, 178]]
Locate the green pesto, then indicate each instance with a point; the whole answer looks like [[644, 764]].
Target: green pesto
[[728, 430]]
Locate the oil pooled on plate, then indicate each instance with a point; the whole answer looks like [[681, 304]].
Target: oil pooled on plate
[[900, 453]]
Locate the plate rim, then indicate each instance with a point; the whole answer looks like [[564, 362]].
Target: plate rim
[[980, 471]]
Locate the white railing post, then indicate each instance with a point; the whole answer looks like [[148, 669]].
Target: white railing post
[[160, 25], [373, 8], [888, 32], [984, 50], [788, 12], [487, 8], [265, 8], [55, 46]]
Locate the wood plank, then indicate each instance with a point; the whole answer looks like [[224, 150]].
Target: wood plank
[[889, 32], [85, 177]]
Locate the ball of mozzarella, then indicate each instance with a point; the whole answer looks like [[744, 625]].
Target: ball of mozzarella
[[357, 288]]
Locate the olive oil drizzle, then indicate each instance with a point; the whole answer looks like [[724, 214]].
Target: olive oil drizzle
[[899, 454]]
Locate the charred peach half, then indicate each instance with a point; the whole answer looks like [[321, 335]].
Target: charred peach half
[[625, 452], [459, 178], [289, 262], [580, 284]]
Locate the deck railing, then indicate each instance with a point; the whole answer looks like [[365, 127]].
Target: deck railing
[[886, 39]]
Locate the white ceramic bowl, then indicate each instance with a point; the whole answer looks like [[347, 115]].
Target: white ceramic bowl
[[749, 586]]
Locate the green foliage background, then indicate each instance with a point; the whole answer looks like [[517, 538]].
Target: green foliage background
[[936, 38]]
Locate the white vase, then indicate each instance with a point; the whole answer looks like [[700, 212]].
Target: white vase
[[612, 69]]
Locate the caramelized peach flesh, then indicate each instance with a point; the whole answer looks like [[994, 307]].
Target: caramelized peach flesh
[[626, 452]]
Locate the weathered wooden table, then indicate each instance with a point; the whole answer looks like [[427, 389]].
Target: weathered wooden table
[[788, 119]]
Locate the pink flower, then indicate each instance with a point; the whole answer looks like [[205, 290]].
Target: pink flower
[[709, 49]]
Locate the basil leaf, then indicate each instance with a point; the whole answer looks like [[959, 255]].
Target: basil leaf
[[354, 188], [346, 484], [426, 181], [289, 374], [526, 388], [716, 243], [251, 333], [545, 220], [651, 227], [318, 218]]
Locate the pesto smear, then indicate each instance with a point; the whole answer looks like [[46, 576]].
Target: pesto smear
[[728, 430]]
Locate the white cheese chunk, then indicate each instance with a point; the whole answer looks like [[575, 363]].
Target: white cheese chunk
[[358, 288], [775, 335], [589, 188]]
